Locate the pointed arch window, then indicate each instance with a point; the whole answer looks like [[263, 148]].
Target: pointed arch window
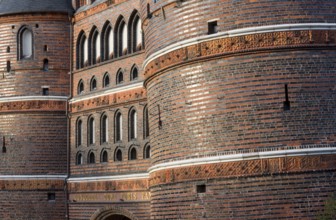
[[104, 129], [93, 84], [133, 154], [25, 43], [132, 124], [80, 87], [82, 51], [121, 41], [79, 132], [107, 41], [91, 158], [135, 32], [147, 152], [79, 159], [106, 80], [120, 77], [146, 123], [91, 131], [104, 156], [118, 155], [118, 127], [95, 46], [134, 73]]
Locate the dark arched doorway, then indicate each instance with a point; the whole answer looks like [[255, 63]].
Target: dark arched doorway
[[116, 217], [113, 213]]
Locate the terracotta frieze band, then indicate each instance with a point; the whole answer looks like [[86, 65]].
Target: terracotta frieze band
[[244, 168], [32, 105], [32, 184], [240, 44]]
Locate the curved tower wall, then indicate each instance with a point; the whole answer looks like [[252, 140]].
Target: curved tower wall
[[242, 119], [33, 95]]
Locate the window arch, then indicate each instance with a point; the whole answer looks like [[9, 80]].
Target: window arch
[[132, 124], [46, 65], [107, 39], [79, 158], [25, 43], [132, 153], [118, 127], [104, 156], [134, 73], [82, 50], [106, 80], [118, 155], [91, 131], [135, 33], [120, 41], [120, 77], [94, 45], [91, 157], [80, 87], [147, 152], [93, 84], [79, 133], [145, 122], [104, 129]]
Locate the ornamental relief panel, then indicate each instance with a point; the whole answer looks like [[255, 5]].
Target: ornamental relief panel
[[33, 106]]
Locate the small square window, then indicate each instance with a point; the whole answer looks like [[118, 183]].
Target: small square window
[[212, 27], [51, 197], [45, 91], [201, 188]]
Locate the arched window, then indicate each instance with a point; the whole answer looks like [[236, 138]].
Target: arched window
[[104, 129], [120, 77], [132, 124], [120, 40], [145, 123], [82, 50], [104, 156], [94, 46], [132, 154], [107, 41], [93, 84], [91, 158], [134, 73], [118, 155], [106, 80], [135, 32], [25, 43], [79, 132], [45, 65], [80, 87], [147, 152], [91, 131], [118, 127], [79, 159]]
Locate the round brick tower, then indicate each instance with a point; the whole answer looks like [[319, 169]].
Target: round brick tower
[[242, 99], [34, 85]]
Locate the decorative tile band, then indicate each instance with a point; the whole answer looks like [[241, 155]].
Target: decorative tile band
[[32, 105]]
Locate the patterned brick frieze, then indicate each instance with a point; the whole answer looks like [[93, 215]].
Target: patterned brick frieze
[[241, 44], [31, 184], [34, 105], [113, 99], [244, 168]]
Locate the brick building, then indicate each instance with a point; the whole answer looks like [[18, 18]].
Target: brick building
[[167, 109]]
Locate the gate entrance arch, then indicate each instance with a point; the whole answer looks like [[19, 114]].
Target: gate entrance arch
[[113, 213]]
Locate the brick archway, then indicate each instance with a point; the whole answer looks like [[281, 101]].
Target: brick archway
[[112, 213]]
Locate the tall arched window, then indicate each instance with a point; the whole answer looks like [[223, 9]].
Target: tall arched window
[[118, 155], [104, 129], [106, 80], [93, 84], [107, 41], [79, 132], [25, 43], [120, 77], [91, 158], [135, 32], [91, 131], [80, 88], [132, 124], [82, 50], [118, 127], [94, 46], [132, 153], [145, 123], [147, 152], [104, 156], [79, 159], [134, 73], [120, 40]]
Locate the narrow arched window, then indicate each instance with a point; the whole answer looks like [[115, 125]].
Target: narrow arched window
[[104, 129], [45, 65], [121, 40], [91, 131], [80, 87], [135, 32], [79, 159], [118, 155], [8, 66], [146, 123], [118, 126], [107, 41], [25, 43], [79, 133], [93, 84], [82, 51], [120, 77], [95, 46], [104, 156], [92, 158], [134, 73], [106, 80], [133, 154], [132, 124], [147, 152]]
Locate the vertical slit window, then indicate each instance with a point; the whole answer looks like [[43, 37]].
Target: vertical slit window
[[26, 44], [79, 133], [91, 131], [104, 129], [133, 124], [118, 127]]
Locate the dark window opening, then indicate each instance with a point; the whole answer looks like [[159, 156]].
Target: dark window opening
[[8, 66], [105, 157], [146, 123], [118, 127], [134, 74], [8, 49], [51, 196], [91, 131], [106, 80], [45, 48], [133, 125], [93, 84], [79, 160], [133, 154], [104, 124], [45, 91], [37, 25], [92, 158], [286, 102], [45, 65], [212, 27], [80, 87], [79, 133], [201, 188], [149, 14], [118, 156], [120, 77], [147, 152]]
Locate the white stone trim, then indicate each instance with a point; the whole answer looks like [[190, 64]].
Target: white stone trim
[[107, 92], [33, 98], [240, 32], [109, 178], [242, 157], [33, 177]]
